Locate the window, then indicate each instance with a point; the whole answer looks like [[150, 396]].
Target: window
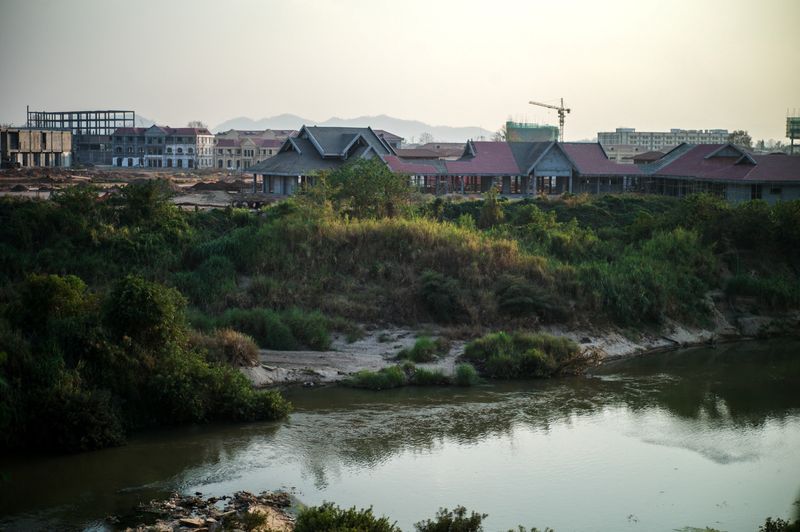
[[755, 191], [219, 152], [44, 141], [180, 151], [229, 163]]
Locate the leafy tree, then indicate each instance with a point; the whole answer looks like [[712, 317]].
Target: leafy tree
[[197, 123], [365, 188], [742, 138]]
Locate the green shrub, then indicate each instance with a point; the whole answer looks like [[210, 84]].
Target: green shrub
[[265, 326], [466, 375], [521, 355], [492, 211], [209, 283], [440, 295], [309, 328], [456, 520], [330, 518], [518, 297], [425, 349], [776, 291], [427, 377], [383, 379]]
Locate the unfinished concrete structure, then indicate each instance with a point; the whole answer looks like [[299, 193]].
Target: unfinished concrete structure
[[32, 147], [91, 130]]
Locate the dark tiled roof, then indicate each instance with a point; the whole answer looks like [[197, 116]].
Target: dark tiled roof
[[648, 156], [387, 136], [416, 166], [416, 153]]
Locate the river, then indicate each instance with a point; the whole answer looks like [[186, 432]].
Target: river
[[668, 441]]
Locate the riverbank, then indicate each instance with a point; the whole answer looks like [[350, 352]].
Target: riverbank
[[728, 322], [242, 510]]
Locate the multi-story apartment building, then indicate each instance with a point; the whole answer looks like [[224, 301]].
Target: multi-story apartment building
[[163, 147], [661, 140], [238, 149]]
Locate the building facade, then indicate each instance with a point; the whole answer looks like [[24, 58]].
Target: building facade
[[163, 147], [32, 147], [660, 140]]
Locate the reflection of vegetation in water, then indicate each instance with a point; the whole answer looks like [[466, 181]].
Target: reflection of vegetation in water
[[696, 390]]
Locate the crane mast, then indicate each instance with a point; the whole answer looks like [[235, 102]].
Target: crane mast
[[561, 112]]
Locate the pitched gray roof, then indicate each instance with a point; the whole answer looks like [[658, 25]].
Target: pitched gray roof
[[317, 148]]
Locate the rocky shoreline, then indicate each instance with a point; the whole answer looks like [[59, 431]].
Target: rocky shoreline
[[245, 511]]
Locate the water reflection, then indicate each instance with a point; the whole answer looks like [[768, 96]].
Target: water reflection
[[732, 406]]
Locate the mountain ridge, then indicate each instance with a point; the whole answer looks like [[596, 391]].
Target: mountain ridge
[[410, 130]]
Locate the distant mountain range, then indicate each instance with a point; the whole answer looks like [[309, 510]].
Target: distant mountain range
[[408, 129]]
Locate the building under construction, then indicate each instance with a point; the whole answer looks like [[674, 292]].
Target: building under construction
[[91, 130], [524, 132], [22, 147]]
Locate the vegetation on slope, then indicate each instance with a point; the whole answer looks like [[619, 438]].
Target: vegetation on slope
[[96, 293]]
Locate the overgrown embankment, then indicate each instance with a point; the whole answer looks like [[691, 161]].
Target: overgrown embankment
[[99, 297]]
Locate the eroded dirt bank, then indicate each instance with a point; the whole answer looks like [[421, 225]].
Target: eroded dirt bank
[[379, 347]]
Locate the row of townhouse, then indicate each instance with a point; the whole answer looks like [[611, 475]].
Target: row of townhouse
[[163, 147], [238, 149], [528, 168]]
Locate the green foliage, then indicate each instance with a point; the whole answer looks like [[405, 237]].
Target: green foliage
[[779, 525], [383, 379], [425, 349], [226, 346], [429, 377], [264, 325], [209, 283], [521, 355], [89, 372], [362, 189], [440, 295], [455, 520], [517, 296], [330, 518], [466, 375], [776, 292], [492, 213], [309, 328]]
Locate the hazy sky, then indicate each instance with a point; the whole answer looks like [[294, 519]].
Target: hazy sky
[[636, 63]]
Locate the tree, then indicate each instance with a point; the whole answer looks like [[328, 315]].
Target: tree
[[366, 188], [197, 123], [425, 138], [741, 138], [501, 134]]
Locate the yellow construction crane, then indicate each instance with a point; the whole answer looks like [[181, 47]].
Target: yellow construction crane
[[561, 112]]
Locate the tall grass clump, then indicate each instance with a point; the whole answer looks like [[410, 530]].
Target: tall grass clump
[[264, 325], [777, 292], [466, 375], [383, 379], [226, 346], [425, 349], [521, 355]]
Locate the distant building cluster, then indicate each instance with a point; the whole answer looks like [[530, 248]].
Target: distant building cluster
[[530, 161], [626, 143]]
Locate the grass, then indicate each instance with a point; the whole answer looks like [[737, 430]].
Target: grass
[[425, 349], [384, 379], [521, 355]]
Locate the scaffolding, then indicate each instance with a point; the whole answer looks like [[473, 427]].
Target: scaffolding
[[103, 122]]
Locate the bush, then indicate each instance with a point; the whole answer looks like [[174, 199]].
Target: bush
[[519, 297], [425, 350], [384, 379], [309, 328], [452, 521], [520, 355], [466, 375], [265, 326], [440, 295], [427, 377], [776, 291], [226, 346], [330, 518]]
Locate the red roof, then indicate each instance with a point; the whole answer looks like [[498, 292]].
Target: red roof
[[404, 167], [226, 143], [268, 143], [701, 162], [491, 158], [590, 159]]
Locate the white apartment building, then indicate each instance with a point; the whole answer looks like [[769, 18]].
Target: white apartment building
[[659, 140]]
